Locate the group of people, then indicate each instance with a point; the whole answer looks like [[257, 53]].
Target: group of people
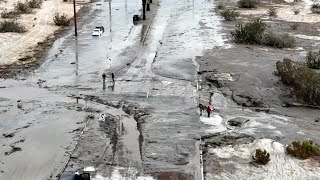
[[208, 108], [104, 76]]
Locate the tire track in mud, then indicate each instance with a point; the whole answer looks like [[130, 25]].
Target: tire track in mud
[[114, 153]]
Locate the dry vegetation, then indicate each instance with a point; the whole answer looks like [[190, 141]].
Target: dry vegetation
[[253, 32], [261, 157], [11, 26], [61, 20], [230, 14], [303, 149], [305, 82]]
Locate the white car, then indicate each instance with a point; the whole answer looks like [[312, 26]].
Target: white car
[[97, 32]]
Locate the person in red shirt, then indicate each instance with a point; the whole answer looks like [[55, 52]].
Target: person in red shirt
[[209, 110]]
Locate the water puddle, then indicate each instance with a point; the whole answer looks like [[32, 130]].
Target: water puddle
[[130, 139]]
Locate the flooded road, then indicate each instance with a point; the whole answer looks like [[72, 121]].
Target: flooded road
[[155, 129], [152, 127]]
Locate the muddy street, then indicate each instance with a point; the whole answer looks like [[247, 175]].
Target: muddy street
[[145, 124]]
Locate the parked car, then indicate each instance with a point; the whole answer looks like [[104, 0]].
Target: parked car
[[97, 32], [101, 28], [68, 175]]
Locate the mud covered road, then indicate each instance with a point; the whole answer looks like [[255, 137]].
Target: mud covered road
[[152, 127]]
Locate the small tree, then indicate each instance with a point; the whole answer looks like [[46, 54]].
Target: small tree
[[61, 20]]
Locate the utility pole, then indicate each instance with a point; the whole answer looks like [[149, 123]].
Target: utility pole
[[75, 18], [144, 9]]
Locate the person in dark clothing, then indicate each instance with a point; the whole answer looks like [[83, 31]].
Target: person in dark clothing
[[104, 80], [112, 76], [201, 107], [209, 110]]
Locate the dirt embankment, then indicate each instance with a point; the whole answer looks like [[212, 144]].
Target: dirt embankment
[[16, 48]]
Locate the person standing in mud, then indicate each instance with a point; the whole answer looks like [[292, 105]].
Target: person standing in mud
[[104, 80], [112, 76], [201, 107], [209, 110]]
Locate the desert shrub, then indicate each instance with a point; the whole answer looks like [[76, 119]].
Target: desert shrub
[[230, 14], [11, 26], [248, 3], [220, 6], [313, 60], [296, 11], [278, 40], [22, 8], [304, 82], [261, 157], [35, 3], [303, 149], [61, 20], [286, 70], [296, 1], [250, 32], [9, 14], [315, 8], [315, 5], [294, 26], [272, 11]]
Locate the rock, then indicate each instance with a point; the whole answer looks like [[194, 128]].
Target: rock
[[19, 105], [73, 63], [91, 116], [238, 121], [317, 120]]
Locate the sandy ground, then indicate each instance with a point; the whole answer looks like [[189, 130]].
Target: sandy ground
[[39, 26]]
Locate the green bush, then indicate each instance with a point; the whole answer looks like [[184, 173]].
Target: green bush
[[35, 3], [303, 149], [250, 32], [313, 60], [9, 14], [22, 8], [261, 157], [11, 26], [61, 20], [248, 3], [272, 11], [304, 82], [279, 41], [230, 14]]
